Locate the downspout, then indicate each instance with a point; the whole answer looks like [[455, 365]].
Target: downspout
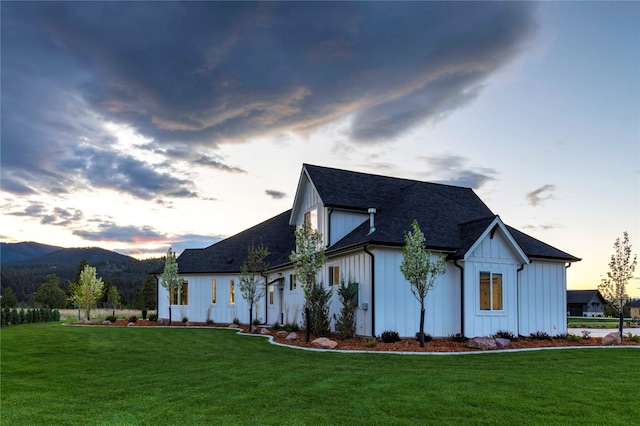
[[518, 294], [373, 291], [455, 262], [329, 227], [266, 299]]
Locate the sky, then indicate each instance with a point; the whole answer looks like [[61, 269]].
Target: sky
[[139, 126]]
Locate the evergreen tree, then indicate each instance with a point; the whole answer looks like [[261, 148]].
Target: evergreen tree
[[9, 299], [49, 294]]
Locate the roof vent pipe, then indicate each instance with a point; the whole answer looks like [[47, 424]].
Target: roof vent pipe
[[372, 213]]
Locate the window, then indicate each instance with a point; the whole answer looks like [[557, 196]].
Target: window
[[232, 292], [293, 283], [180, 297], [271, 294], [311, 218], [334, 275], [213, 291], [490, 291]]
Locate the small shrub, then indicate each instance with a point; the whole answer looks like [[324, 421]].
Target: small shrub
[[185, 320], [573, 338], [209, 321], [371, 343], [504, 334], [153, 316], [133, 318], [276, 326], [111, 318], [390, 336], [562, 336], [586, 334], [539, 335], [236, 321], [256, 321], [633, 338], [427, 337], [291, 327], [459, 338]]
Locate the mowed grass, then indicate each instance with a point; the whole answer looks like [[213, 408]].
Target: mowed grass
[[63, 375]]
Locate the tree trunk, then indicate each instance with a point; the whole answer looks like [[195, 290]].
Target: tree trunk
[[250, 317], [307, 312], [422, 325], [621, 322], [169, 313]]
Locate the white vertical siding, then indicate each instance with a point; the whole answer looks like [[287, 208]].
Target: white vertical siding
[[542, 298], [344, 222], [495, 256], [398, 310]]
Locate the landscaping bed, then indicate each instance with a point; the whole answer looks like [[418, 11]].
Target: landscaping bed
[[404, 345]]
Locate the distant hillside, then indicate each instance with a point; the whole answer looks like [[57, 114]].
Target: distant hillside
[[26, 275], [15, 252]]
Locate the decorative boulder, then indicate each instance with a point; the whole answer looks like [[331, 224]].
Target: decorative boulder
[[131, 324], [163, 321], [282, 334], [292, 336], [482, 343], [265, 332], [107, 322], [234, 326], [324, 343], [502, 343], [611, 339]]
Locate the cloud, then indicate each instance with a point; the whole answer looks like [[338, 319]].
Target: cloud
[[536, 197], [109, 231], [276, 195], [230, 71], [457, 172], [530, 227]]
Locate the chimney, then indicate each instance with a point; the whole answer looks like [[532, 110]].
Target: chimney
[[372, 213]]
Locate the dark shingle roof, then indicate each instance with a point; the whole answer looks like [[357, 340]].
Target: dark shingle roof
[[227, 256], [582, 297]]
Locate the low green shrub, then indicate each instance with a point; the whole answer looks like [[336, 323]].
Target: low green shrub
[[236, 321], [111, 318], [291, 327], [390, 336], [185, 320], [561, 336], [539, 335], [586, 334], [459, 338], [256, 321], [209, 321], [371, 343], [427, 337], [504, 334], [573, 338], [276, 326], [153, 316], [633, 338], [133, 318]]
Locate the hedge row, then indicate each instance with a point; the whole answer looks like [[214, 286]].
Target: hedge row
[[13, 316]]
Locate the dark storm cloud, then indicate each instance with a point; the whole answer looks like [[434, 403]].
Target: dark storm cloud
[[47, 215], [276, 195], [199, 74], [114, 170], [458, 172]]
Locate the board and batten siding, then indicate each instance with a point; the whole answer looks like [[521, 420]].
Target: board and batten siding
[[398, 310], [543, 298], [343, 222], [491, 255]]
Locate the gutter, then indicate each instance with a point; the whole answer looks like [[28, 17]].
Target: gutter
[[455, 262], [373, 291]]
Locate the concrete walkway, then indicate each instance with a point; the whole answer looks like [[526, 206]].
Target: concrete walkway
[[601, 332]]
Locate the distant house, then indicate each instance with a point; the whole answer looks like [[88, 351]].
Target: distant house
[[497, 278], [635, 308], [585, 303]]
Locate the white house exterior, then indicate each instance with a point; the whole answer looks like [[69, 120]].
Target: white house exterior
[[497, 278]]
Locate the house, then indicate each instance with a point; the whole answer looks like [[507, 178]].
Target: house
[[497, 278], [634, 307], [585, 303]]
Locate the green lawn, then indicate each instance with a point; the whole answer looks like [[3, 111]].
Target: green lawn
[[58, 375]]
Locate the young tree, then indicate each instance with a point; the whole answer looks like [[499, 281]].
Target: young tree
[[308, 258], [614, 286], [170, 278], [419, 268], [88, 289], [251, 272], [346, 322]]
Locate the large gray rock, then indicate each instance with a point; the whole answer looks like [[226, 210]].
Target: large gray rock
[[611, 339], [482, 343], [502, 343], [131, 324], [107, 322], [282, 334], [233, 326], [265, 332], [292, 336], [324, 343]]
